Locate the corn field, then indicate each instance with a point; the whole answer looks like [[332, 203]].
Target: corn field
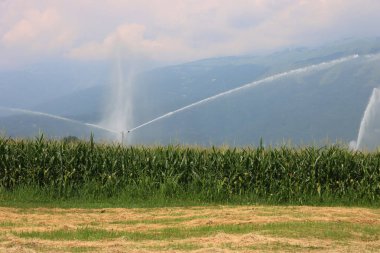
[[276, 175]]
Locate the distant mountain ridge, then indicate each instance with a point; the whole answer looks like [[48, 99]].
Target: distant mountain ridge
[[311, 107]]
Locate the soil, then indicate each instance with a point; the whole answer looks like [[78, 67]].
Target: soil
[[16, 220]]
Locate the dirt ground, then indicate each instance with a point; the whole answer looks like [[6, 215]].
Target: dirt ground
[[153, 221]]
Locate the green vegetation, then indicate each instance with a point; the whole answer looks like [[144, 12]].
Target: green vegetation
[[7, 224], [323, 230], [162, 221], [175, 246], [342, 231], [273, 246], [45, 171], [80, 234], [81, 249]]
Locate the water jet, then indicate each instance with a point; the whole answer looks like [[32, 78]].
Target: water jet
[[314, 67], [369, 130], [53, 116]]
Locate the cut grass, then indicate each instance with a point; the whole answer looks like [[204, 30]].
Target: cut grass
[[341, 231], [162, 221], [7, 224], [175, 246], [323, 230], [80, 234], [80, 249], [273, 246]]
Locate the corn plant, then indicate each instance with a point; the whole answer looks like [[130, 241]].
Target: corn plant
[[277, 175]]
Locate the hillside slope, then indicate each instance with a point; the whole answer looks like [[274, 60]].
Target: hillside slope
[[303, 108]]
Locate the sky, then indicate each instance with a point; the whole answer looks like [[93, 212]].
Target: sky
[[173, 31]]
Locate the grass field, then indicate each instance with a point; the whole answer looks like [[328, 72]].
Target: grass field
[[191, 229], [58, 196]]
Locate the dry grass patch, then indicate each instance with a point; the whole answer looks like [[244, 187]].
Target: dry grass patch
[[198, 229]]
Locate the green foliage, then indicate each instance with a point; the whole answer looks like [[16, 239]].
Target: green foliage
[[66, 170], [320, 230], [80, 234], [70, 138]]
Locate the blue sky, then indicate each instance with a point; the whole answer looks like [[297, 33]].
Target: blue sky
[[169, 31]]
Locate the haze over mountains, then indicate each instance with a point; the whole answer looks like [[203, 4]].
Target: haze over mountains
[[302, 108]]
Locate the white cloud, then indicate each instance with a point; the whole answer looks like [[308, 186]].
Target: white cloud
[[169, 31], [131, 42], [37, 34]]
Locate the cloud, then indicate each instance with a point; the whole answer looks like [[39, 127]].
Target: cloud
[[187, 30], [174, 31], [131, 42], [37, 33]]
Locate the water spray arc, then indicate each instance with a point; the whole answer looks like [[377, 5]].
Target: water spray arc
[[118, 113], [369, 127], [58, 117], [274, 77]]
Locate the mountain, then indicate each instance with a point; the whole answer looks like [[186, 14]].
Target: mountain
[[84, 105], [326, 104], [32, 85], [26, 125], [306, 107], [309, 107]]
